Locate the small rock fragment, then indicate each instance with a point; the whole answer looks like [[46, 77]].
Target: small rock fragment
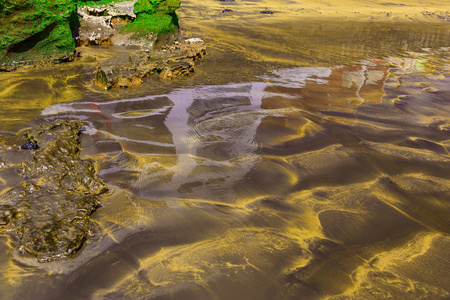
[[101, 79], [29, 146]]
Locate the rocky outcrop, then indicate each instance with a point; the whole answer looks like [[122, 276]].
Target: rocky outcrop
[[127, 69], [157, 16], [47, 214], [37, 30], [136, 22], [48, 30], [99, 23]]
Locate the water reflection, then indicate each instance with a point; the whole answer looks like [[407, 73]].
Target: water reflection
[[309, 182], [289, 182]]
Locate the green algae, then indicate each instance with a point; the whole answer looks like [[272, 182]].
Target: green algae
[[96, 2], [43, 30], [101, 79], [47, 214], [35, 30], [155, 16], [155, 23], [154, 6]]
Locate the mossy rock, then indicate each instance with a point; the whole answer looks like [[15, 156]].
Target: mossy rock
[[153, 16], [152, 23], [43, 30], [156, 6], [31, 31]]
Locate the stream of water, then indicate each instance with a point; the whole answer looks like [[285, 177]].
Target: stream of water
[[301, 160]]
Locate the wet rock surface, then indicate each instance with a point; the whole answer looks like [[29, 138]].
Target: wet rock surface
[[47, 213], [125, 69]]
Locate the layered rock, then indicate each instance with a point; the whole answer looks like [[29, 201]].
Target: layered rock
[[99, 23], [127, 69], [136, 22]]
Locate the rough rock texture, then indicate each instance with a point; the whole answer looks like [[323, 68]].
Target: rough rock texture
[[46, 30], [47, 214], [36, 30], [125, 69], [136, 22], [99, 23]]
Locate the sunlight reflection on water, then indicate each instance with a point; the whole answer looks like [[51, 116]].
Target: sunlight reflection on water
[[312, 181]]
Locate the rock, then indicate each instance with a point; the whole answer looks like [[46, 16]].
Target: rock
[[99, 23], [153, 18], [100, 78], [47, 215], [122, 9], [194, 41], [130, 39], [139, 23], [94, 30], [180, 69], [43, 34], [29, 146], [127, 69], [34, 31], [227, 10]]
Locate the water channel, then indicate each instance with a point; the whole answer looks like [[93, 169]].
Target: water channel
[[301, 160]]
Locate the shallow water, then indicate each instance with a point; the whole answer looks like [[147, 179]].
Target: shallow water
[[300, 160]]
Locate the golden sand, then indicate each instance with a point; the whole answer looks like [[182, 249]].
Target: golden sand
[[306, 158]]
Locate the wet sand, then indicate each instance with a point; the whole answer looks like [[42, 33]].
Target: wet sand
[[306, 157], [348, 10]]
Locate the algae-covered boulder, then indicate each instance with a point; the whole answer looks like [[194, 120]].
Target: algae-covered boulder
[[153, 17], [36, 30]]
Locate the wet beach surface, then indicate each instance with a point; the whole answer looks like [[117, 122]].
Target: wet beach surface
[[304, 158]]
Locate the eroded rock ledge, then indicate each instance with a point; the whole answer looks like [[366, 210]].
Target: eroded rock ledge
[[99, 23], [125, 69], [149, 26], [47, 214]]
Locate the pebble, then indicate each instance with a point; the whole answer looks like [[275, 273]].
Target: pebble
[[29, 146], [193, 40]]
